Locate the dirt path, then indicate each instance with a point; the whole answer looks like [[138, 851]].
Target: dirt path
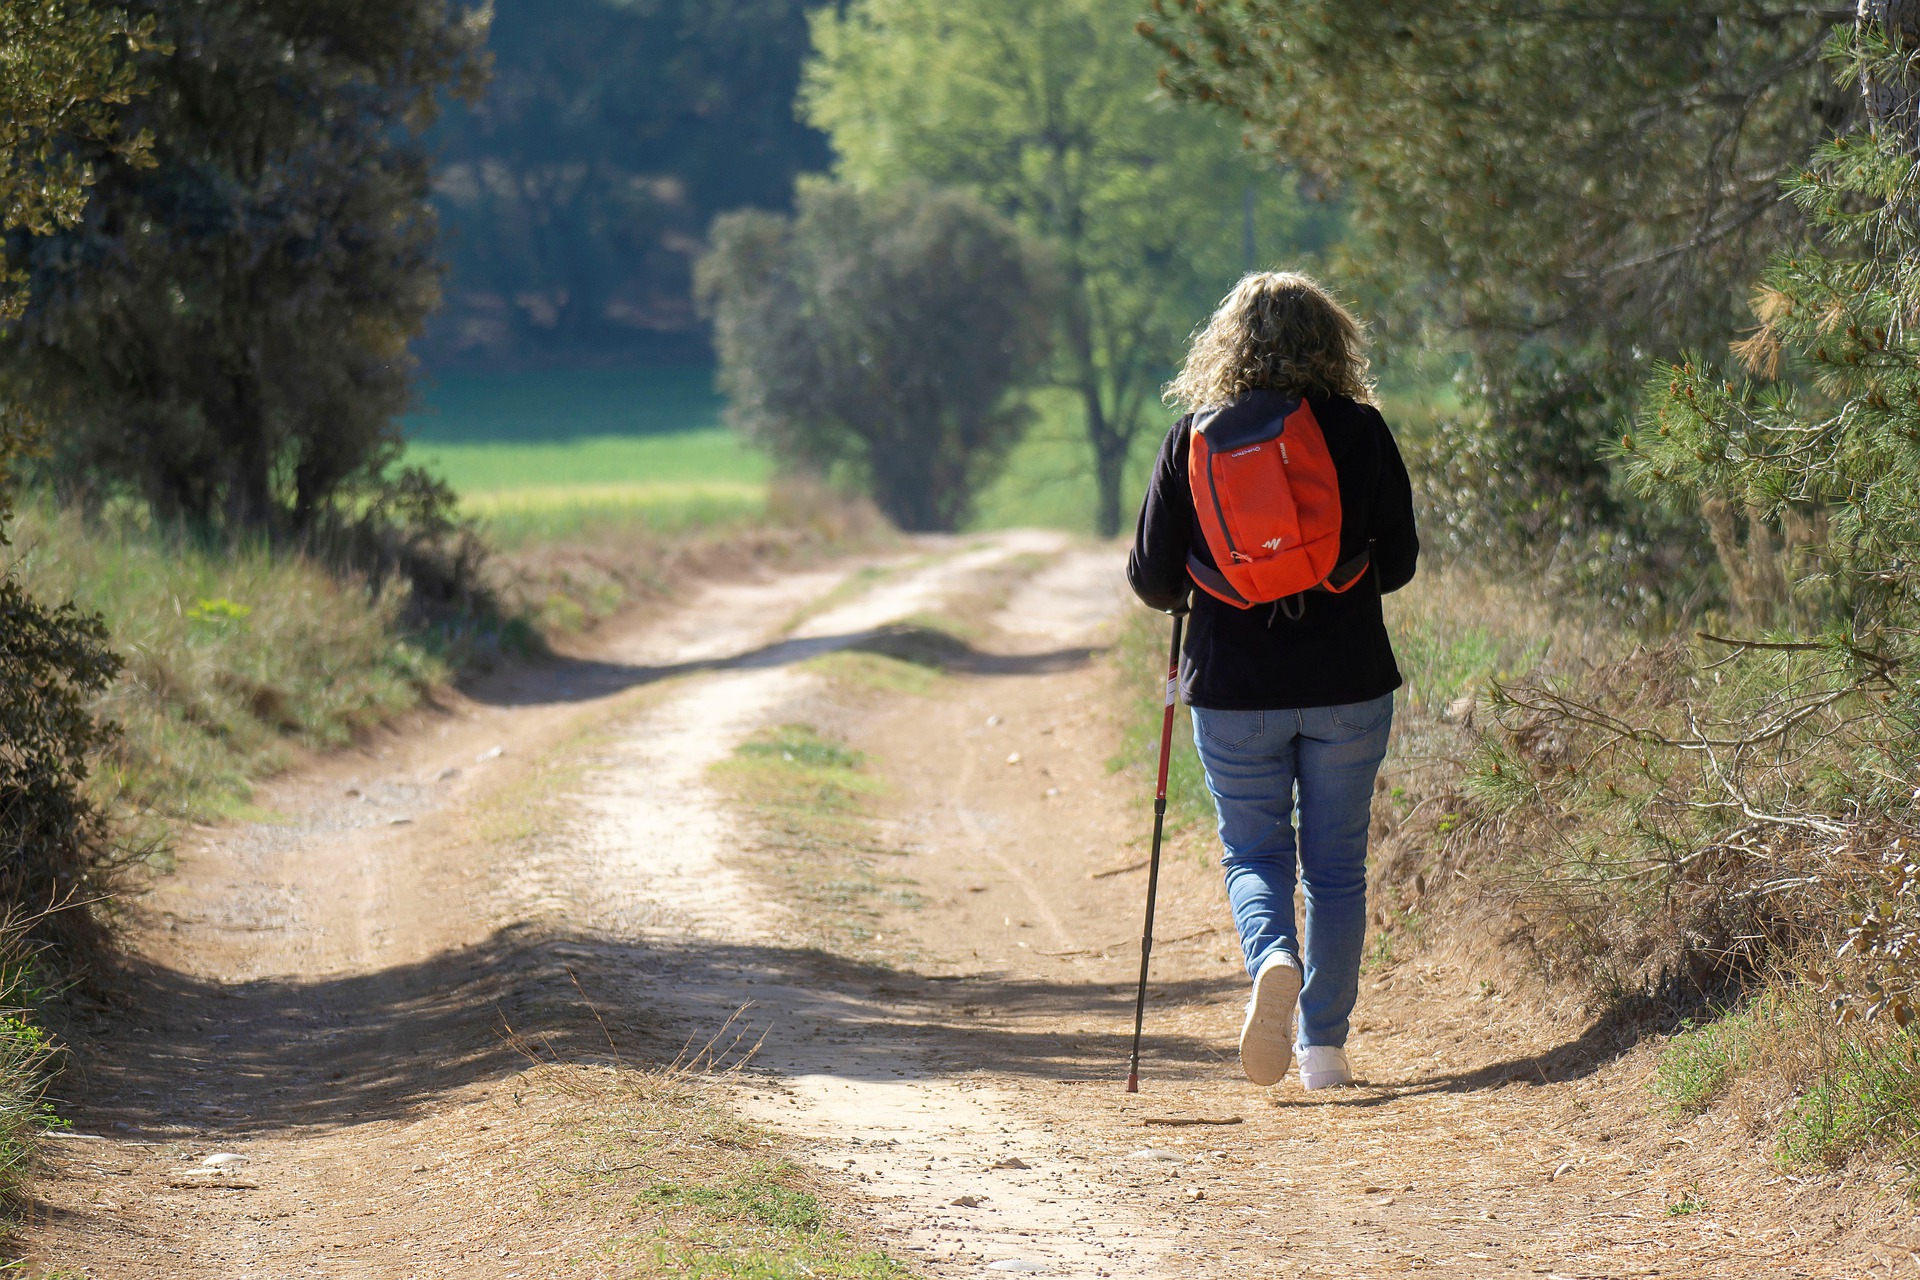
[[324, 996]]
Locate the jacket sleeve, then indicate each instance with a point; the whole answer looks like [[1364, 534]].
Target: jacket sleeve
[[1157, 567], [1396, 544]]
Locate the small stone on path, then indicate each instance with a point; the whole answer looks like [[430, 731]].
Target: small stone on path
[[1158, 1153]]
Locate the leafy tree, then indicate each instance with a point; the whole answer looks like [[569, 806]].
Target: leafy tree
[[65, 72], [65, 75], [577, 192], [1050, 112], [1573, 185], [1760, 792], [881, 332], [1825, 431], [225, 331]]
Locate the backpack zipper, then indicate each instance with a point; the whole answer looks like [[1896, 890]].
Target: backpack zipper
[[1220, 513]]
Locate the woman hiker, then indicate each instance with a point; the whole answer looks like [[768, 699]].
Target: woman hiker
[[1292, 694]]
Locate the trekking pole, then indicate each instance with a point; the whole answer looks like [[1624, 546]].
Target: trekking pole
[[1153, 863]]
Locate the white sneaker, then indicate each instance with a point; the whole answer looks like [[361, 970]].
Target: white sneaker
[[1266, 1037], [1324, 1066]]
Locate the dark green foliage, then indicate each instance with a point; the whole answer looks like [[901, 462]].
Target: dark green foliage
[[1521, 482], [882, 333], [1828, 432], [1716, 808], [57, 850], [65, 73], [577, 193], [1570, 186], [53, 836], [225, 333]]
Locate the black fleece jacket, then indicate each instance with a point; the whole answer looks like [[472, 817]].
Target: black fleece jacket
[[1260, 659]]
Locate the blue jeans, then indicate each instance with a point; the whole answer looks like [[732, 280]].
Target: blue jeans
[[1254, 761]]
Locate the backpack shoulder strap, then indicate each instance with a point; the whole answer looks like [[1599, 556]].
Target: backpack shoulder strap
[[1347, 574], [1215, 583]]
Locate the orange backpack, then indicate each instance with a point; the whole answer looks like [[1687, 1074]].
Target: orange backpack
[[1268, 503]]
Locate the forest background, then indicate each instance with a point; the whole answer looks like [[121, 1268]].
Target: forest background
[[1642, 281]]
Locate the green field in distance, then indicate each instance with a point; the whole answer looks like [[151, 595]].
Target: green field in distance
[[568, 454]]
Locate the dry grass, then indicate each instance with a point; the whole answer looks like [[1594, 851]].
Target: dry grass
[[675, 1183], [568, 581]]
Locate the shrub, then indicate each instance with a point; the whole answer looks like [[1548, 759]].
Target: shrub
[[57, 853], [224, 332], [55, 850], [1704, 807], [884, 334]]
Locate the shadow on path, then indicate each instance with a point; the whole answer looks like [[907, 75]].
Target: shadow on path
[[250, 1059], [563, 680], [1607, 1038], [191, 1055]]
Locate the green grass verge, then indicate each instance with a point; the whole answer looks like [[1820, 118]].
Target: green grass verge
[[753, 1224], [1843, 1089], [1140, 670], [234, 658], [1455, 633], [1866, 1100], [1701, 1061]]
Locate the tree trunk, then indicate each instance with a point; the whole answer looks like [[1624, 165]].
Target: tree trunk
[[1893, 97], [1109, 467], [250, 474], [1109, 452]]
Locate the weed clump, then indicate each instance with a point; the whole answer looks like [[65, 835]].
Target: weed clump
[[681, 1184], [1867, 1099], [808, 795], [1700, 1062]]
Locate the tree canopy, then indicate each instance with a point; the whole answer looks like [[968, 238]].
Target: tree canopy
[[65, 75], [882, 333], [1051, 113], [577, 193], [1571, 186], [225, 329]]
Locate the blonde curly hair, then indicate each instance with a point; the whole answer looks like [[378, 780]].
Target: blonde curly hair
[[1277, 330]]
